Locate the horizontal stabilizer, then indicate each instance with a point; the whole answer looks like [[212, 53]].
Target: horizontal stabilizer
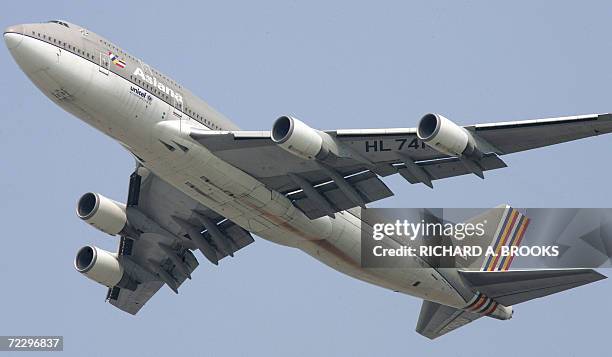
[[517, 286], [504, 287], [436, 320]]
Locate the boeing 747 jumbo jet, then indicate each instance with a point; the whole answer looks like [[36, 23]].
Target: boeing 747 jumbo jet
[[201, 183]]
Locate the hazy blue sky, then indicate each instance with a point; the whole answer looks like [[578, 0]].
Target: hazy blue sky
[[334, 65]]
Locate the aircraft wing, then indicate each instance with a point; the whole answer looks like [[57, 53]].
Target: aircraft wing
[[436, 320], [168, 225], [511, 137], [351, 177]]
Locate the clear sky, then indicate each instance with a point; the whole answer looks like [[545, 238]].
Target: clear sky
[[340, 64]]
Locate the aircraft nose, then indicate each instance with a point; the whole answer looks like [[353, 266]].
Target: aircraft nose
[[29, 53], [12, 40], [13, 35]]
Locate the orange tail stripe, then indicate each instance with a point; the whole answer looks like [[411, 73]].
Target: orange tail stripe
[[512, 240], [518, 242], [503, 240], [491, 309], [481, 302]]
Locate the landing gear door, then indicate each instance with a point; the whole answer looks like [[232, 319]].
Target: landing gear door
[[104, 63]]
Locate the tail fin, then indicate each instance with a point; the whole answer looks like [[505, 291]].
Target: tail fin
[[503, 226]]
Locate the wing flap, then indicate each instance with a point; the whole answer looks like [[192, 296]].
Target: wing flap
[[237, 236], [366, 183], [437, 169]]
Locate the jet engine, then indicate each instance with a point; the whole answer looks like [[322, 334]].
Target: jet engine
[[103, 213], [446, 137], [299, 139], [102, 266]]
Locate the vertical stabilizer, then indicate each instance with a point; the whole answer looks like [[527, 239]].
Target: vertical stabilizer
[[504, 226]]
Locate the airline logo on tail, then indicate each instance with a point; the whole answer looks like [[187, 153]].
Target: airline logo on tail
[[509, 234]]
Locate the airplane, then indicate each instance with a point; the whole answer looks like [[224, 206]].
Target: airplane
[[201, 183]]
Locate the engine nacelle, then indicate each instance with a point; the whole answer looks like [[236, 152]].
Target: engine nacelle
[[298, 138], [103, 213], [100, 265], [446, 137]]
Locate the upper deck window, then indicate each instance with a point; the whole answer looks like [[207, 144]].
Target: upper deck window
[[60, 23]]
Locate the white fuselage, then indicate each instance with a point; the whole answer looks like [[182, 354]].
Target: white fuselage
[[109, 103]]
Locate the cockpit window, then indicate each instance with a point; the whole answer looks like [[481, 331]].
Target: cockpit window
[[60, 23]]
